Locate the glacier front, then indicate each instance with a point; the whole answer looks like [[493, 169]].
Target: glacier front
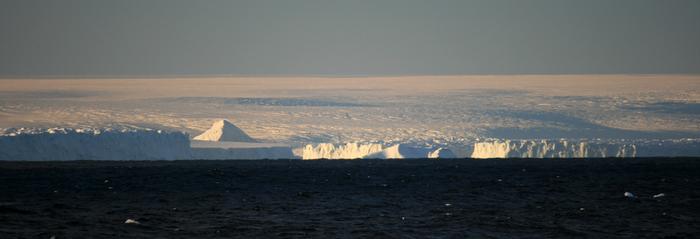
[[584, 148]]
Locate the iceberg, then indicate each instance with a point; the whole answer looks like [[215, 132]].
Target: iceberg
[[346, 151], [223, 130], [551, 149], [92, 144], [372, 151], [402, 151], [585, 148], [224, 140]]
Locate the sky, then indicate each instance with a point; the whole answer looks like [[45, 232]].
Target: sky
[[348, 37]]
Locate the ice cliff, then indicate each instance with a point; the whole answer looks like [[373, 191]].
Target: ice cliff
[[146, 144], [372, 151], [346, 151], [401, 151], [584, 149], [92, 144], [550, 149]]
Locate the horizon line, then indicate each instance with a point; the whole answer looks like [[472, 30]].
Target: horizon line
[[189, 76]]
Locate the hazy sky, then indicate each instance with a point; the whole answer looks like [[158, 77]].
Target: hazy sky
[[349, 37]]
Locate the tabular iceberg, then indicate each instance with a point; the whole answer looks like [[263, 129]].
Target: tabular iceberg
[[93, 144]]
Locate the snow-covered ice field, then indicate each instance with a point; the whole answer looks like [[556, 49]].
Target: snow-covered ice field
[[422, 111]]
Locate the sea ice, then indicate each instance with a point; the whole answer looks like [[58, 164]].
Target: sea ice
[[131, 221]]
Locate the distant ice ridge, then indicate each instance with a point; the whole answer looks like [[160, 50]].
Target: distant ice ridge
[[584, 149], [92, 144], [371, 151]]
